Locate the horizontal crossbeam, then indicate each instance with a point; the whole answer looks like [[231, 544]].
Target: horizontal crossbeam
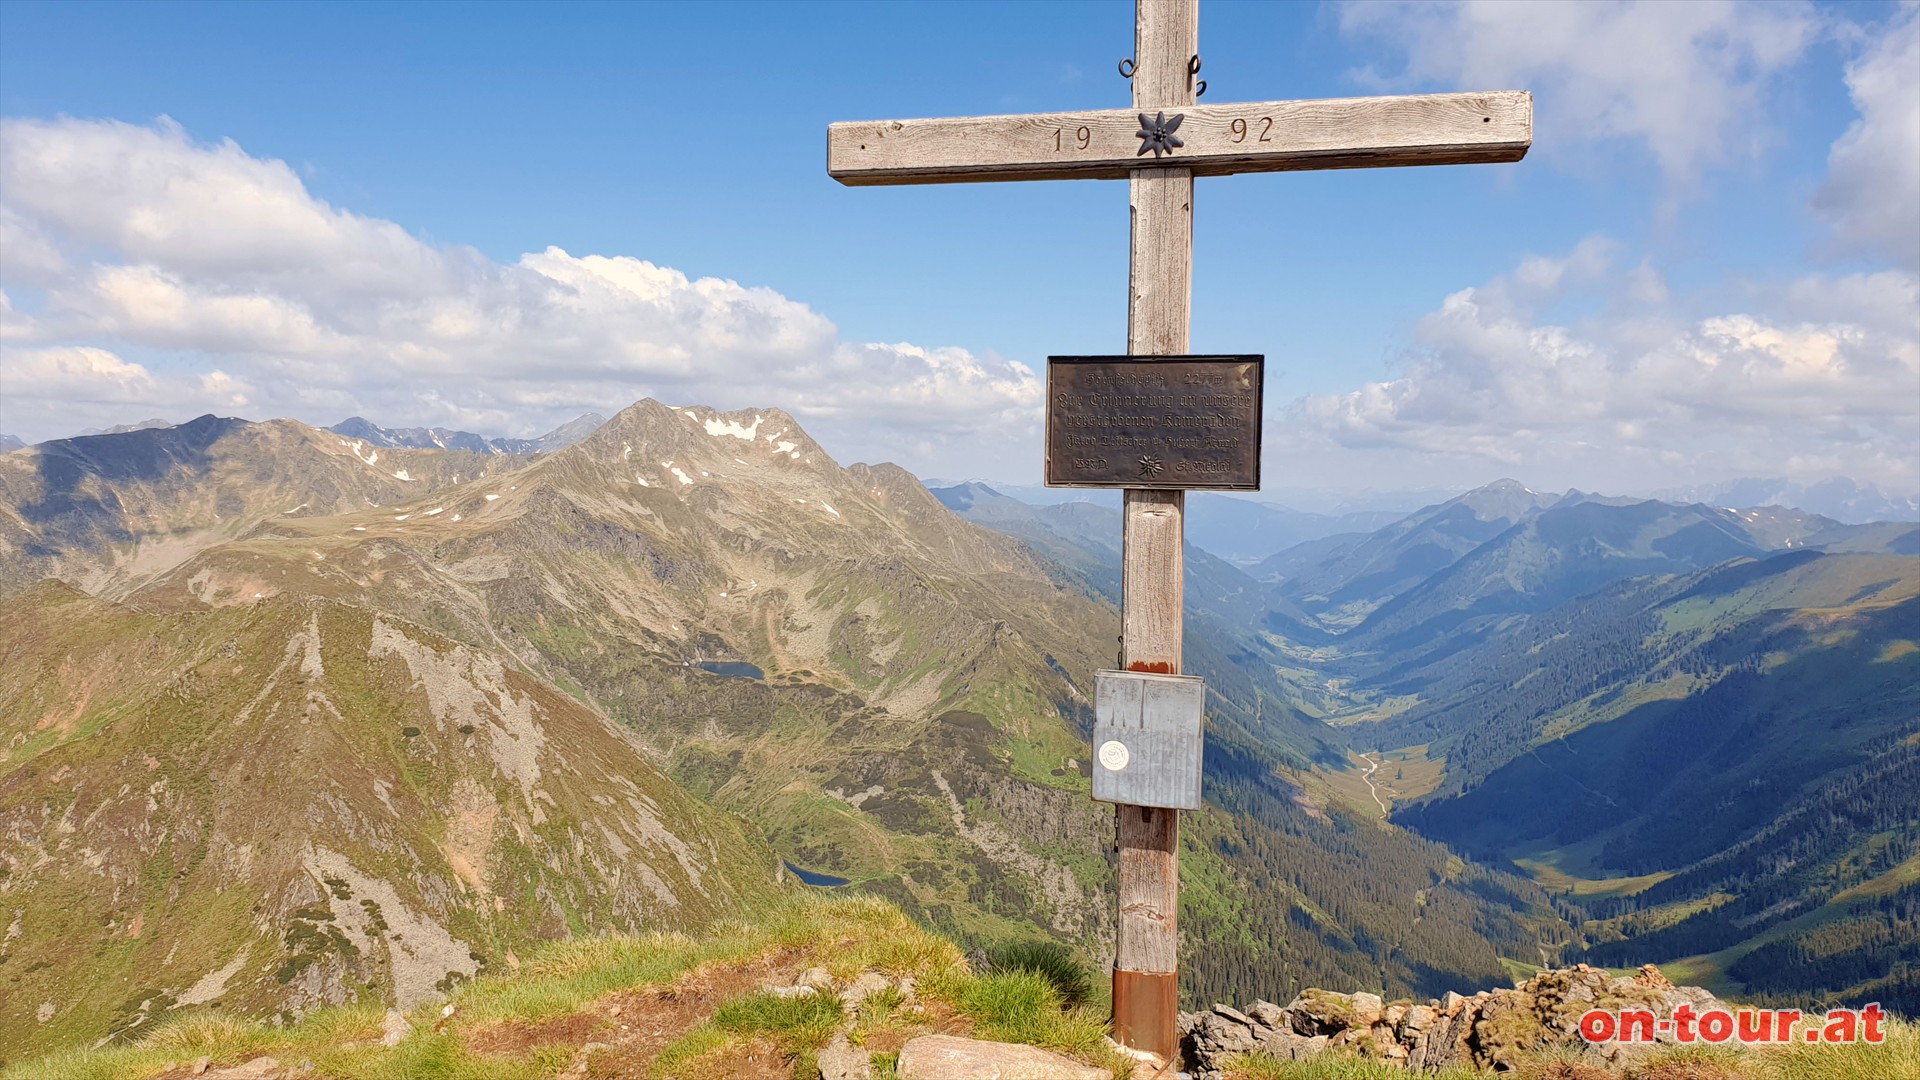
[[1261, 136]]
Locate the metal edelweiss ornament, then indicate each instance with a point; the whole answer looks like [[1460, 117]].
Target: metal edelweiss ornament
[[1157, 134], [1150, 466]]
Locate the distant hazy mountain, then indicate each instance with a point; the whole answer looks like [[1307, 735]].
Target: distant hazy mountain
[[1353, 579], [1837, 497], [568, 433], [10, 442], [1240, 530], [1244, 531], [1553, 555], [356, 427], [118, 429]]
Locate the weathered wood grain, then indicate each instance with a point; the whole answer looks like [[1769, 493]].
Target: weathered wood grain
[[1149, 880], [1262, 136], [1166, 34], [1152, 592], [1153, 596]]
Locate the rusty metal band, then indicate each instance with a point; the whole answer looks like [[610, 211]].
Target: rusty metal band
[[1145, 1006]]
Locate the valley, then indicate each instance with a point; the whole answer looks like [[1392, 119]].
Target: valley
[[1643, 707]]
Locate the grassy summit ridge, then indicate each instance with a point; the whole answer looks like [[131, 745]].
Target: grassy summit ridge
[[736, 1001], [660, 1004]]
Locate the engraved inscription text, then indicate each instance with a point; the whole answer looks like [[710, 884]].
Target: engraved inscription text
[[1177, 422]]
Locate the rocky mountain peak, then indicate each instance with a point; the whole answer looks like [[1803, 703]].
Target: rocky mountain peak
[[1504, 499], [650, 435]]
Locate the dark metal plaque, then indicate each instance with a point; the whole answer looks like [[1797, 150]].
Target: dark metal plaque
[[1175, 422]]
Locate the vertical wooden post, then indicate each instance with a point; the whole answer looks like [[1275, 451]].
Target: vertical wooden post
[[1146, 953]]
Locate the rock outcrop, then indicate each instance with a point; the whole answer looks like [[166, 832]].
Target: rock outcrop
[[949, 1057], [1492, 1029]]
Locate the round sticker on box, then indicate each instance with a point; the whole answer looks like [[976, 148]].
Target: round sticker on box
[[1114, 755]]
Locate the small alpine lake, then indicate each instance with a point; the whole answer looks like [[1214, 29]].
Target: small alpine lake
[[811, 878]]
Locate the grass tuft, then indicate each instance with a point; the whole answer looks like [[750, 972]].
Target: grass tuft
[[424, 1056], [1010, 1006], [1897, 1056], [1024, 1007], [695, 1044], [1056, 963], [876, 1012], [1693, 1063], [117, 1063], [806, 1021], [208, 1032]]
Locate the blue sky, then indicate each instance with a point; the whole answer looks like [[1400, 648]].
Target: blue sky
[[1685, 173]]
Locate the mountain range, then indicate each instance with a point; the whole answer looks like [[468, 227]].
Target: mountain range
[[355, 427], [867, 684], [371, 434], [1835, 497], [390, 703], [1240, 530]]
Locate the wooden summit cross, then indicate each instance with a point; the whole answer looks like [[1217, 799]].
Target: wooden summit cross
[[1159, 146]]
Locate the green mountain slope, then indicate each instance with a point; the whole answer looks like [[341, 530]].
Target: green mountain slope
[[1653, 643], [1726, 758], [295, 803]]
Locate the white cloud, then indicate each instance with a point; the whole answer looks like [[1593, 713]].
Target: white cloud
[[63, 388], [73, 369], [1682, 78], [227, 391], [1872, 193], [27, 257], [1822, 377], [142, 237]]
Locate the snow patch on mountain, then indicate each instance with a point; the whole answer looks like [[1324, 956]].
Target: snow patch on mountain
[[719, 428]]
